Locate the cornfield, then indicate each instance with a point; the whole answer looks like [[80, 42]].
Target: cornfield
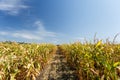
[[93, 61], [23, 61]]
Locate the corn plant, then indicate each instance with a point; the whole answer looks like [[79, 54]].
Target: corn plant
[[23, 61], [94, 61]]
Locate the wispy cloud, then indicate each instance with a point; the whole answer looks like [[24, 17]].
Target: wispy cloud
[[39, 33], [26, 36], [3, 33], [12, 7], [41, 30]]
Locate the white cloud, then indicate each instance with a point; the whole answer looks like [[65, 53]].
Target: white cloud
[[3, 33], [26, 36], [39, 33], [12, 7], [41, 29]]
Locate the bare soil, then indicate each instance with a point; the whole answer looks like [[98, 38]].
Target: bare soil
[[57, 69]]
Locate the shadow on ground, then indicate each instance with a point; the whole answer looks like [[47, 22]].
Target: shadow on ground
[[62, 70], [58, 69]]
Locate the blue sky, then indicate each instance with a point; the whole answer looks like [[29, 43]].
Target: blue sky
[[58, 21]]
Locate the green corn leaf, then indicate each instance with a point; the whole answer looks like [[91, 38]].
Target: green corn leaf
[[116, 64]]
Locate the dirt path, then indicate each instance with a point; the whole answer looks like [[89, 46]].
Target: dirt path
[[58, 69]]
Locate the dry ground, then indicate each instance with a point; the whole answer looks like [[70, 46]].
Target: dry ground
[[57, 69]]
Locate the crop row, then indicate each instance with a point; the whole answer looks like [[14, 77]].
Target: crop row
[[23, 61], [94, 61]]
